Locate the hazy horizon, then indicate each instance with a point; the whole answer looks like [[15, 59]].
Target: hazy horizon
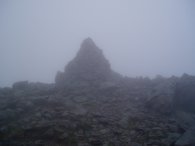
[[138, 37]]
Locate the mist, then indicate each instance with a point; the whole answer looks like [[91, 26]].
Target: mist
[[138, 37]]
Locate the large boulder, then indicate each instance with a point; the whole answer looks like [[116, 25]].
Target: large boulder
[[184, 97], [187, 139], [173, 94], [162, 94]]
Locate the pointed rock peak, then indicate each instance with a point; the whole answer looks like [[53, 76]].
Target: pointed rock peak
[[88, 42], [88, 45], [89, 66], [88, 49]]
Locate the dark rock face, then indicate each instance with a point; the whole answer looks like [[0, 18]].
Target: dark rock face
[[187, 139], [184, 97], [88, 67]]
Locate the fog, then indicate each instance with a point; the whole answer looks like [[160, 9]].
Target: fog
[[138, 37]]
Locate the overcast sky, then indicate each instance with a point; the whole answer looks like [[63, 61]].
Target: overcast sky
[[138, 37]]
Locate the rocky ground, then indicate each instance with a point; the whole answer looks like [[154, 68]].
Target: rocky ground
[[91, 105], [83, 119], [86, 120]]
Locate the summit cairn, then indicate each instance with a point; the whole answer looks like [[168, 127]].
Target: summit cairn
[[89, 67]]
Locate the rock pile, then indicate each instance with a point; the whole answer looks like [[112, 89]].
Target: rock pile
[[87, 68]]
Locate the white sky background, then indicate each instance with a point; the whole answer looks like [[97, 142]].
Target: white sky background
[[138, 37]]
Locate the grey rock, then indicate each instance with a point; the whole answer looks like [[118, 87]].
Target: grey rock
[[89, 67], [187, 139]]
